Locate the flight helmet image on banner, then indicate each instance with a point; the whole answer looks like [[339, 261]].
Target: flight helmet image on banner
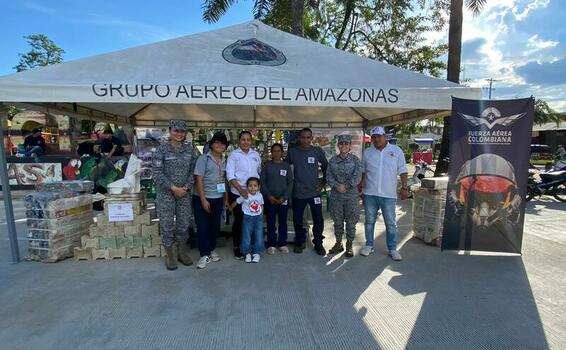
[[486, 189]]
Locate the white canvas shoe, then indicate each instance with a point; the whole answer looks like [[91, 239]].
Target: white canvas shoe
[[256, 258], [367, 250], [248, 258]]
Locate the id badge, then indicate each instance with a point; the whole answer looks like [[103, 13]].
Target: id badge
[[285, 203], [317, 200], [283, 172], [310, 160], [221, 187]]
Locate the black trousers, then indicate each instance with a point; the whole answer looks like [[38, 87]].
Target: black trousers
[[237, 224]]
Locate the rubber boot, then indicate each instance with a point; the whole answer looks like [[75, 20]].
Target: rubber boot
[[338, 248], [170, 258], [349, 251], [183, 255]]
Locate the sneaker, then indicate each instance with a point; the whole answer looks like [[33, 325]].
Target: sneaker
[[256, 258], [395, 255], [214, 256], [349, 251], [367, 250], [298, 248], [248, 258], [338, 248], [203, 261], [238, 254], [271, 250], [320, 250], [284, 249]]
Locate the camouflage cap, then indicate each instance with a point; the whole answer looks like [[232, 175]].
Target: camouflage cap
[[178, 124], [344, 138]]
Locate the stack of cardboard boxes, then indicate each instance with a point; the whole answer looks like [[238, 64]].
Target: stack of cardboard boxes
[[58, 214], [121, 236]]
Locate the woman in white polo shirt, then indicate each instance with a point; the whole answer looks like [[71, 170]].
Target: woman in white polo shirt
[[242, 164]]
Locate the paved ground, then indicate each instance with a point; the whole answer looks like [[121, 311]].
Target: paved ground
[[431, 300]]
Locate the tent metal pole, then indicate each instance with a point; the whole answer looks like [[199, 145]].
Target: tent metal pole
[[7, 194]]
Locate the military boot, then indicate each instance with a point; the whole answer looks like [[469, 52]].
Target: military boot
[[338, 248], [183, 255], [170, 258], [349, 251]]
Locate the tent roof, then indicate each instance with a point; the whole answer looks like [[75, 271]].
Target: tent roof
[[191, 78]]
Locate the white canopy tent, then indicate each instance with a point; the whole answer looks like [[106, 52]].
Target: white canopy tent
[[247, 75], [274, 79]]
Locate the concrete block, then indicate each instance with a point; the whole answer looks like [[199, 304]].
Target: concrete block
[[82, 253], [140, 241], [102, 220], [134, 253], [127, 242], [133, 230], [154, 251], [97, 231], [117, 231], [150, 230], [119, 253], [108, 242], [99, 254], [155, 240], [143, 219], [87, 242]]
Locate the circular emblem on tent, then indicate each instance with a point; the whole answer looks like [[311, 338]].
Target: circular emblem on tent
[[253, 51]]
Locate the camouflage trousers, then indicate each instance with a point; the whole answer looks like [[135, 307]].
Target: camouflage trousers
[[344, 210], [174, 217]]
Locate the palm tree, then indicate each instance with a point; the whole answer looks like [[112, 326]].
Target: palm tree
[[454, 58], [214, 9]]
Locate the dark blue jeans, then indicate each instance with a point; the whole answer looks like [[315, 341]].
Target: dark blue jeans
[[276, 212], [35, 149], [208, 224], [318, 221]]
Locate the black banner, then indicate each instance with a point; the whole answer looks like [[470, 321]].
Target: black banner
[[489, 158]]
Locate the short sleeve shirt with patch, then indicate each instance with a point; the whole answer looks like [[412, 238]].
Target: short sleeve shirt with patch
[[381, 169]]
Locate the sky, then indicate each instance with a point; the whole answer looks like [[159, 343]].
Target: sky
[[517, 43]]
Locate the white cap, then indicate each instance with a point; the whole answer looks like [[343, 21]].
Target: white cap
[[377, 130]]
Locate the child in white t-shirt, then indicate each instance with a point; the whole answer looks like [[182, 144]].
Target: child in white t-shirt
[[252, 224]]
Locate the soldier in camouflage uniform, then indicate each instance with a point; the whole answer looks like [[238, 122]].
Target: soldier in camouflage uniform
[[173, 166], [343, 175]]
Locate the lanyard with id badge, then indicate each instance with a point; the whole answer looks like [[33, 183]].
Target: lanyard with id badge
[[220, 182]]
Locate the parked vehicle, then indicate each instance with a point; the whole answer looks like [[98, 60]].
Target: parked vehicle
[[551, 183], [541, 154]]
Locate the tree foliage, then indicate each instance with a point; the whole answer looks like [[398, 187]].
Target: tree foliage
[[11, 111], [545, 114], [387, 31], [43, 53]]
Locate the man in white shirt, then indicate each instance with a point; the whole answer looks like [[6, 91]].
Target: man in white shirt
[[382, 163]]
